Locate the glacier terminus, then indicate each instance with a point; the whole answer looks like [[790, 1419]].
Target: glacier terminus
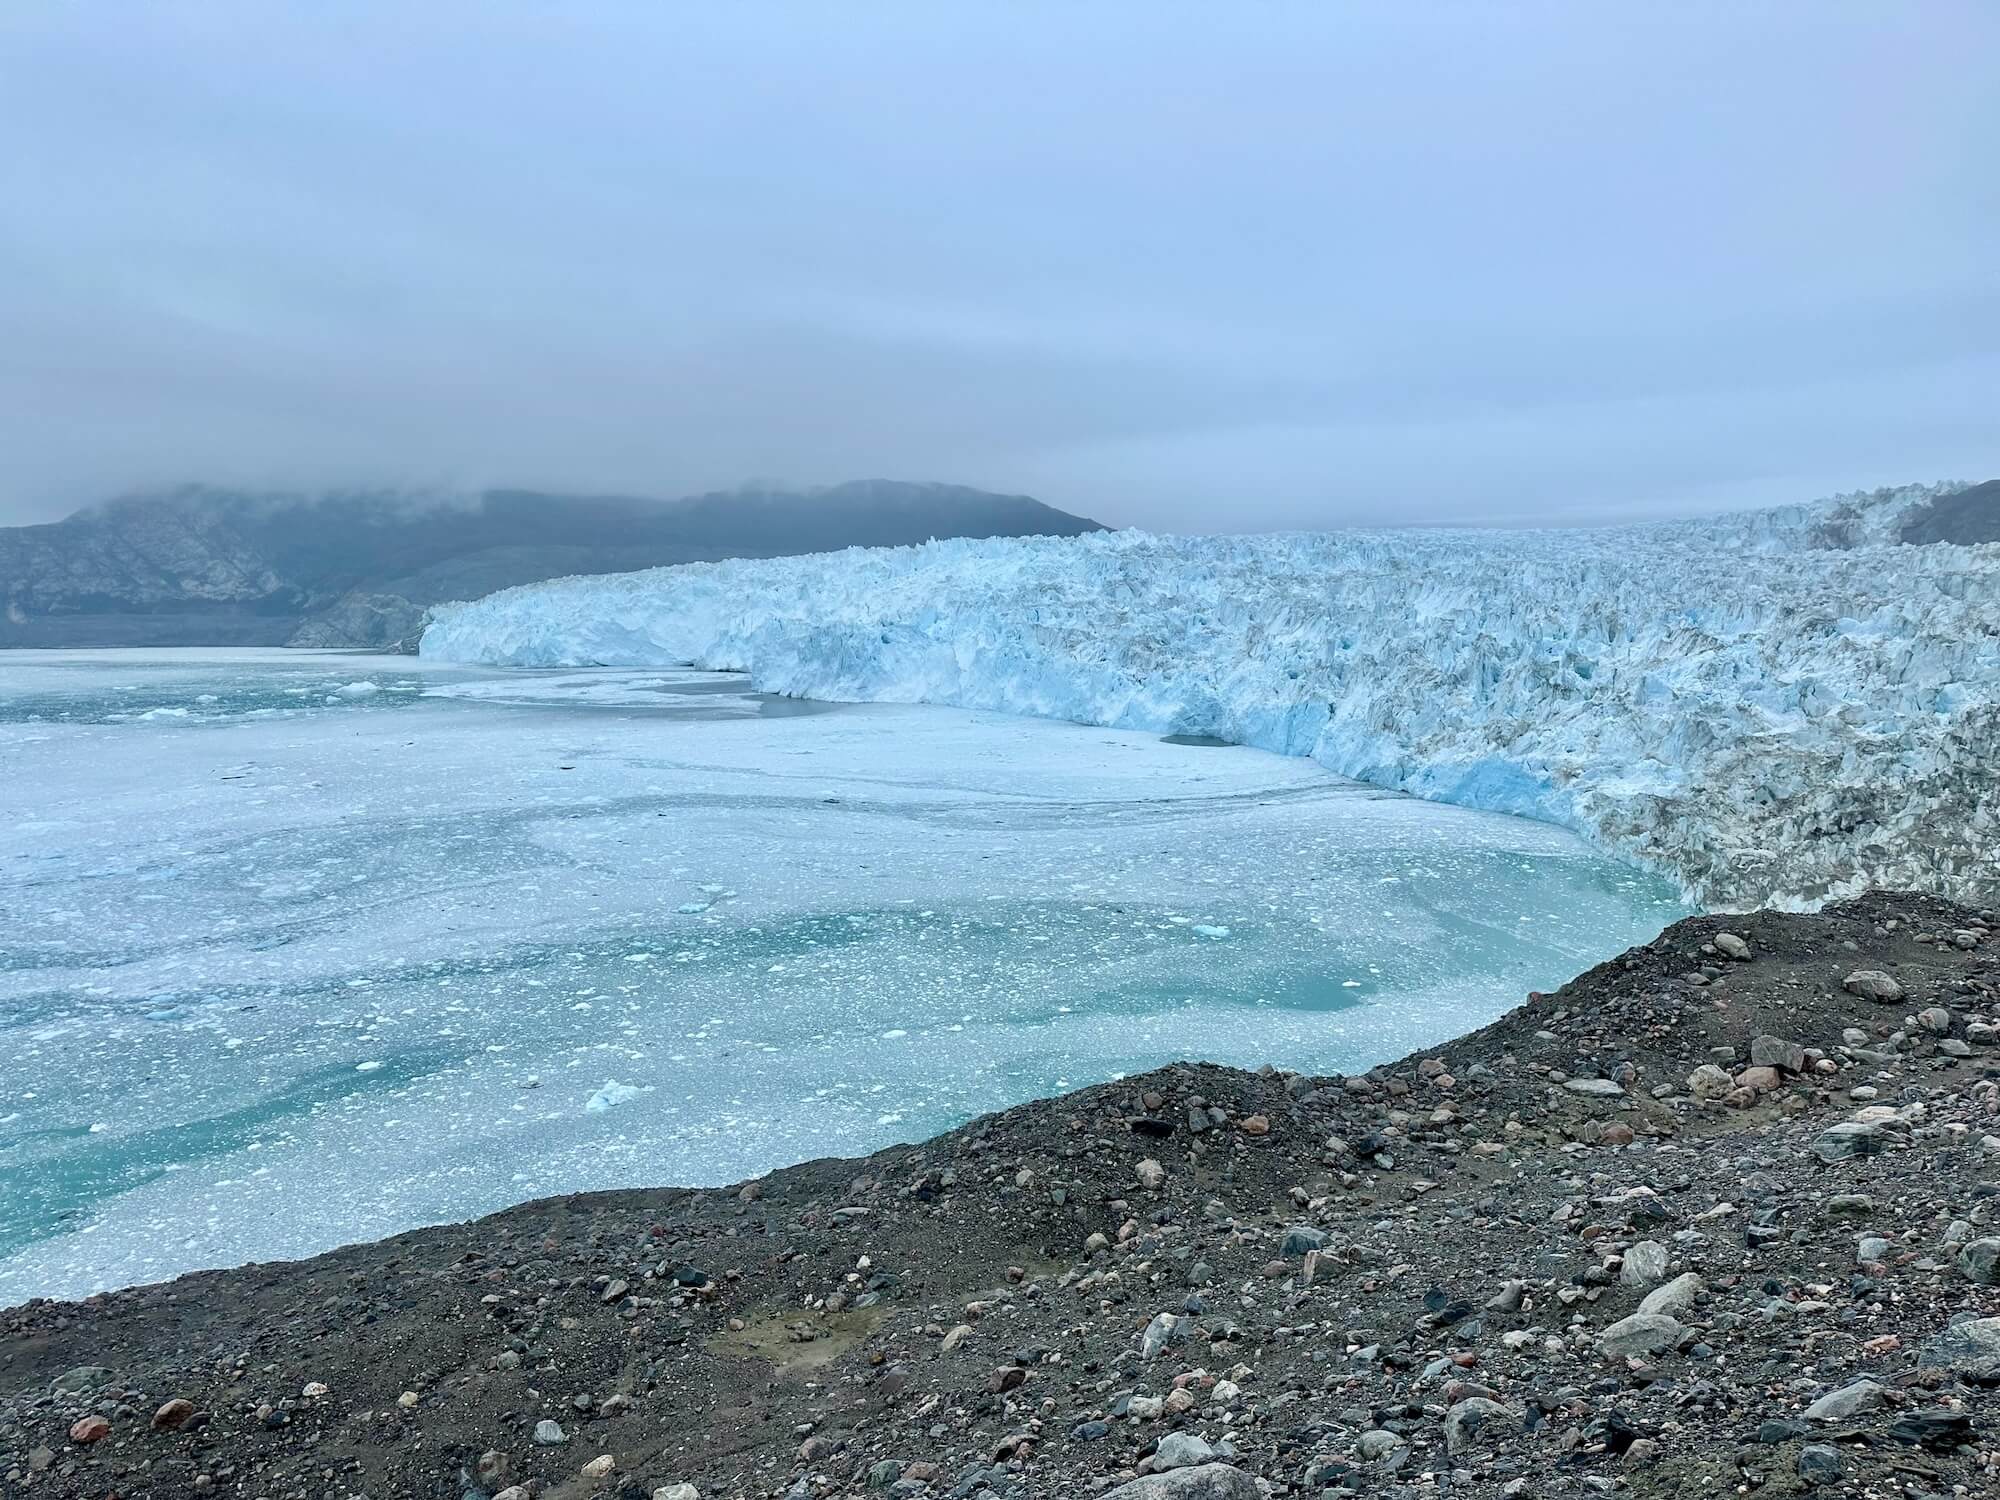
[[1778, 706]]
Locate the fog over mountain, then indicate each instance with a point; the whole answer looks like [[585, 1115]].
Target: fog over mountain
[[1190, 268], [206, 566]]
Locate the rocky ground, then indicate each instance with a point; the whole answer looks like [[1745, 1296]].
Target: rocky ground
[[1719, 1216]]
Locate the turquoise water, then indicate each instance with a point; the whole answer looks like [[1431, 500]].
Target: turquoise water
[[283, 981]]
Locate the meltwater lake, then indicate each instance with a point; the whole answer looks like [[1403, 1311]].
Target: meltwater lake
[[303, 948]]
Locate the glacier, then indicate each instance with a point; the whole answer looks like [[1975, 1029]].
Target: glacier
[[1780, 706]]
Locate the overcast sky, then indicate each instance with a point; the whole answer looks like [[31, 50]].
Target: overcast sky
[[1217, 267]]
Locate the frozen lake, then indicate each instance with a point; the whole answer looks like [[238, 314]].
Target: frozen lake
[[298, 949]]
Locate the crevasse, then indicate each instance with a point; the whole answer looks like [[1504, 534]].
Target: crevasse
[[1739, 702]]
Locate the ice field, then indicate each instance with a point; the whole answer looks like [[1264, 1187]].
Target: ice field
[[297, 949], [1780, 706]]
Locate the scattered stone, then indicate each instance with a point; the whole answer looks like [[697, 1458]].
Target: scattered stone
[[1645, 1264], [1165, 1329], [1979, 1262], [1709, 1082], [87, 1430], [1205, 1482], [1776, 1052], [1597, 1088], [1855, 1138], [1376, 1443], [549, 1434], [1641, 1334], [79, 1379], [1847, 1403], [1301, 1238], [1820, 1463], [1476, 1416], [1970, 1350], [1182, 1450], [1873, 984], [1675, 1300], [173, 1415]]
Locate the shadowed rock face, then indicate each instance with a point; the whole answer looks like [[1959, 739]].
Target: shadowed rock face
[[201, 566], [1967, 518]]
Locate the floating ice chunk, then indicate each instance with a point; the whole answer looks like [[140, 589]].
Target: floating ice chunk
[[613, 1093], [1207, 930], [368, 1067], [692, 908], [357, 690]]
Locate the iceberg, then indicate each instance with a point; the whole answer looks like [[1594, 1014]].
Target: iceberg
[[1783, 706], [611, 1096]]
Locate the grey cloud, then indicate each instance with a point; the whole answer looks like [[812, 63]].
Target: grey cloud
[[1175, 266]]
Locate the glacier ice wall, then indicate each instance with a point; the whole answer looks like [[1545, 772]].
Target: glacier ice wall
[[1739, 702]]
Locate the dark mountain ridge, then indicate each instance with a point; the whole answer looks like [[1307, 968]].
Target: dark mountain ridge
[[205, 566], [1966, 518]]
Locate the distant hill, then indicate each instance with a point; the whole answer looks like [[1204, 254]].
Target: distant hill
[[202, 566], [1969, 517]]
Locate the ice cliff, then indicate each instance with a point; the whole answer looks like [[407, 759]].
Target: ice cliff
[[1785, 705]]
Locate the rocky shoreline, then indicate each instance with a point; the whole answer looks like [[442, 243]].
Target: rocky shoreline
[[1721, 1215]]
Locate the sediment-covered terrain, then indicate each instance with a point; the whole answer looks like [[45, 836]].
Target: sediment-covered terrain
[[1719, 1216], [1782, 706]]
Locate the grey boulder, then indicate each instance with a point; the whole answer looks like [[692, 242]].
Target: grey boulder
[[1852, 1138], [1205, 1482], [1846, 1403], [1645, 1264], [1183, 1450], [1979, 1262], [1873, 984], [1675, 1299], [1641, 1334], [1475, 1417], [1970, 1350]]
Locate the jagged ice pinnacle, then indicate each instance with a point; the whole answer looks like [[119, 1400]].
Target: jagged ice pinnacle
[[1780, 706]]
